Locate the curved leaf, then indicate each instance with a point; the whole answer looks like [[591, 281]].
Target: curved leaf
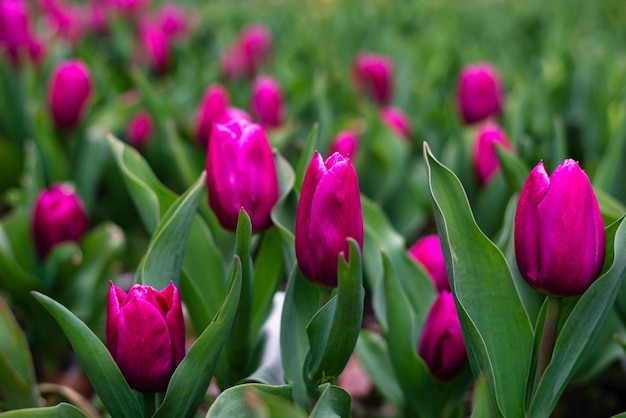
[[333, 402], [253, 400], [62, 410]]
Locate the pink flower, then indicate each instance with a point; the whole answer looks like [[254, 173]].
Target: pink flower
[[485, 159], [345, 143], [139, 130], [68, 91], [155, 46], [267, 102], [373, 74], [479, 93], [255, 44], [428, 253], [16, 36], [397, 120]]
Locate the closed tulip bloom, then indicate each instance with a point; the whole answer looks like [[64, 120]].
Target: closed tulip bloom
[[145, 333], [155, 46], [58, 216], [241, 173], [486, 163], [479, 93], [16, 36], [345, 143], [428, 253], [255, 44], [559, 235], [441, 344], [328, 213], [397, 121], [212, 108], [267, 102], [68, 92], [373, 74], [139, 130]]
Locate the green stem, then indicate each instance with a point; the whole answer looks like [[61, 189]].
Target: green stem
[[548, 338], [149, 404]]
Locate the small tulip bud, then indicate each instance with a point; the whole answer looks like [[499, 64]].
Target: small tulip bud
[[428, 253], [559, 235], [145, 333], [328, 213], [139, 130], [397, 121], [255, 44], [155, 46], [212, 108], [485, 159], [373, 75], [241, 173], [345, 143], [441, 344], [68, 92], [267, 102], [479, 93], [16, 36], [58, 216]]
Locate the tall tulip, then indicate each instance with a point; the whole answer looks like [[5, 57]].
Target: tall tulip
[[328, 213], [485, 159], [373, 74], [145, 333], [479, 93], [58, 216], [69, 89], [241, 173], [441, 344], [428, 253], [559, 234], [267, 102]]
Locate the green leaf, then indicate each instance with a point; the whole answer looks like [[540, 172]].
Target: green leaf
[[191, 379], [498, 345], [333, 402], [583, 326], [163, 261], [96, 361], [306, 155], [255, 400], [284, 212], [62, 410], [481, 400], [334, 330], [514, 169]]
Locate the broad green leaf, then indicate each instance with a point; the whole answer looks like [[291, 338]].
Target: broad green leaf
[[333, 402], [255, 400], [191, 379], [96, 361], [163, 261], [481, 407], [498, 345], [62, 410], [583, 326], [334, 329]]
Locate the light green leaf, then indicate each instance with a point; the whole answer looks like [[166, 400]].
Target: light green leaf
[[62, 410], [253, 400], [333, 402]]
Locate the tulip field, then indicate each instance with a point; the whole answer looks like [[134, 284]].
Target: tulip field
[[312, 209]]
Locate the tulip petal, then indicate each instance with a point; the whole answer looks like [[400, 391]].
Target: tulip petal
[[115, 298], [175, 322]]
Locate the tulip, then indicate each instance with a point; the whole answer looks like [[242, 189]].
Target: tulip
[[397, 121], [145, 333], [172, 20], [16, 36], [68, 92], [139, 130], [479, 93], [373, 74], [66, 20], [428, 253], [212, 108], [559, 236], [58, 216], [328, 213], [255, 44], [267, 102], [233, 63], [155, 46], [485, 159], [441, 344], [345, 143], [241, 173]]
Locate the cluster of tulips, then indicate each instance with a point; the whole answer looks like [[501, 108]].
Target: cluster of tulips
[[292, 247]]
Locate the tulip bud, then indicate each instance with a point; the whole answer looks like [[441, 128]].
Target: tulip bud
[[15, 31], [397, 121], [139, 130], [255, 44], [328, 213], [145, 333], [485, 159], [373, 74], [155, 46], [213, 106], [267, 102], [428, 253], [559, 234], [441, 344], [58, 216], [345, 143], [479, 93], [68, 92], [241, 173]]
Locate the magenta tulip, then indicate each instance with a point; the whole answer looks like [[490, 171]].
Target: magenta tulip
[[145, 333], [373, 75], [428, 253], [485, 159], [58, 216], [212, 108], [241, 173], [68, 92], [441, 344], [345, 143], [155, 46], [328, 213], [559, 234], [479, 93], [397, 121], [255, 44], [267, 102], [16, 35], [139, 130]]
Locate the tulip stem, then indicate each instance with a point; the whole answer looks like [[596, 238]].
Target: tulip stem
[[548, 338], [149, 404]]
